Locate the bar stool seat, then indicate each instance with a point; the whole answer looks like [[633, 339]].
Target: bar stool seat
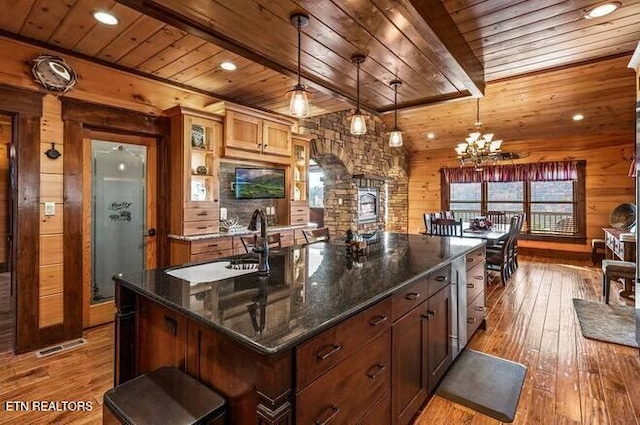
[[614, 269], [597, 250], [164, 396]]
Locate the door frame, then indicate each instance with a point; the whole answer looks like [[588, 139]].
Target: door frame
[[97, 314]]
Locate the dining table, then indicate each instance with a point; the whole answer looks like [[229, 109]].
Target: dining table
[[497, 233]]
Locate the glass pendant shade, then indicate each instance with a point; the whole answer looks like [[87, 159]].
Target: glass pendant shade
[[395, 138], [299, 104], [358, 124]]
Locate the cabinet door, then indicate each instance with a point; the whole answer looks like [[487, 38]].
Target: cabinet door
[[201, 181], [439, 322], [276, 138], [243, 131], [410, 360]]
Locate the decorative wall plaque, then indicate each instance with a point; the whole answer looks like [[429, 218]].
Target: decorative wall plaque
[[54, 73]]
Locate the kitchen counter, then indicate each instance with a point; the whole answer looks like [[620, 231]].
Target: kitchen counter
[[334, 287]]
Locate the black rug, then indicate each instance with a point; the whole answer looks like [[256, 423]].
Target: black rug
[[606, 322], [484, 383]]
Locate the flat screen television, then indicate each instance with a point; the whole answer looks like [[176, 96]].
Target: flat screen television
[[259, 183]]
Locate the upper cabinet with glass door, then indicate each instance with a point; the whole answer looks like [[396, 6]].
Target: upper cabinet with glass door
[[299, 208], [196, 137]]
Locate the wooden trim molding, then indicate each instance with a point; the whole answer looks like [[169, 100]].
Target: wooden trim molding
[[20, 101]]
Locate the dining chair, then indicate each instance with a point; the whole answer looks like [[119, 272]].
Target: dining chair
[[273, 240], [498, 256], [496, 217], [429, 217], [446, 227], [316, 235]]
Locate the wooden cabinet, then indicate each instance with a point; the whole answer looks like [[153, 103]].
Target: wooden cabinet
[[182, 252], [253, 135], [476, 278], [421, 350], [299, 206], [195, 140]]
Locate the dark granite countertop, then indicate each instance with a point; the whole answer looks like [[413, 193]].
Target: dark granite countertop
[[310, 288]]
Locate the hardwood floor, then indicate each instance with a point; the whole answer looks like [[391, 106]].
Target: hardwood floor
[[7, 324], [570, 379]]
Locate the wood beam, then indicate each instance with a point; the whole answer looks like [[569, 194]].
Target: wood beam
[[454, 56]]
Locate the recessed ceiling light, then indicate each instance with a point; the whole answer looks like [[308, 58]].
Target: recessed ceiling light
[[431, 135], [578, 117], [602, 10], [105, 18], [228, 66]]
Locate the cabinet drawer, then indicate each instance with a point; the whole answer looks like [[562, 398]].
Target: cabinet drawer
[[326, 350], [474, 258], [200, 214], [299, 219], [210, 255], [409, 298], [475, 314], [475, 281], [380, 413], [299, 237], [344, 394], [200, 227], [286, 238], [439, 279], [208, 245]]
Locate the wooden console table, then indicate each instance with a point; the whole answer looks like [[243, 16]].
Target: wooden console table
[[620, 250]]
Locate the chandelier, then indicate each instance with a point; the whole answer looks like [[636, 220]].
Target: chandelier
[[479, 148]]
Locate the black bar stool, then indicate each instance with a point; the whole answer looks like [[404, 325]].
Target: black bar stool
[[164, 396]]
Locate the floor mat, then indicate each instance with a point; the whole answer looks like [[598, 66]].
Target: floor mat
[[606, 322]]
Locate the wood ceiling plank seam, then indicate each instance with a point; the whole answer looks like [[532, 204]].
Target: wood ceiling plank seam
[[553, 26], [455, 5], [560, 30], [453, 57], [518, 14], [171, 53], [102, 35], [552, 60], [222, 40], [255, 73], [44, 18], [412, 80], [314, 66], [188, 60], [13, 14], [73, 27], [153, 45], [136, 34], [580, 34], [480, 8], [267, 83], [210, 65]]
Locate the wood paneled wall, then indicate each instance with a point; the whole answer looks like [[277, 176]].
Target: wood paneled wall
[[605, 139], [5, 141]]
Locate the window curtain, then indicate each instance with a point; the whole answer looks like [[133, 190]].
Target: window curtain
[[540, 171]]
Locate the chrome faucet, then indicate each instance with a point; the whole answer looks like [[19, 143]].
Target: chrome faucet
[[261, 247]]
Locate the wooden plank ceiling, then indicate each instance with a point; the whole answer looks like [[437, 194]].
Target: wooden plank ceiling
[[441, 49]]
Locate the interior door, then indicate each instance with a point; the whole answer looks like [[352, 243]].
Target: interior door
[[119, 207]]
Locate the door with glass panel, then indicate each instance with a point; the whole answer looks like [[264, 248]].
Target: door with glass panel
[[119, 204]]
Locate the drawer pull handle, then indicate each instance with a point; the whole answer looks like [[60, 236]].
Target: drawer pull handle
[[431, 312], [442, 278], [412, 296], [425, 316], [470, 285], [479, 308], [379, 369], [331, 417], [332, 350], [202, 214], [213, 245], [479, 277], [378, 320], [202, 227], [471, 320]]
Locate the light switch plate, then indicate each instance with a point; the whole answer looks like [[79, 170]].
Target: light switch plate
[[49, 208], [223, 213]]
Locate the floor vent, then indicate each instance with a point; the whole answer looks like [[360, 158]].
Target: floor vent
[[60, 347]]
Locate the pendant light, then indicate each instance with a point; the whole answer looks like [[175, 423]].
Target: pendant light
[[299, 105], [358, 122], [395, 137]]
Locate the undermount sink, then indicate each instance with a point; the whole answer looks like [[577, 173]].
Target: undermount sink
[[211, 272]]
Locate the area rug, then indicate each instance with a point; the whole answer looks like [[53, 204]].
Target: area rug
[[484, 383], [606, 322]]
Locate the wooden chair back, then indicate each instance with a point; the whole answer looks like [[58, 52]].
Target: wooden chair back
[[446, 227], [496, 217], [429, 217], [273, 240], [316, 235]]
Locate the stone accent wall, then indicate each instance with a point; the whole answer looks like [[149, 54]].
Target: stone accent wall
[[341, 155]]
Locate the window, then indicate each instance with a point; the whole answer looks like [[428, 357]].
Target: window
[[553, 206], [316, 186]]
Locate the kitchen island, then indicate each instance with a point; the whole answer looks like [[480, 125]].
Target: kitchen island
[[327, 337]]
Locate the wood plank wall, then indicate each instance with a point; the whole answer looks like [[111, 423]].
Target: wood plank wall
[[606, 147], [51, 229], [5, 141]]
